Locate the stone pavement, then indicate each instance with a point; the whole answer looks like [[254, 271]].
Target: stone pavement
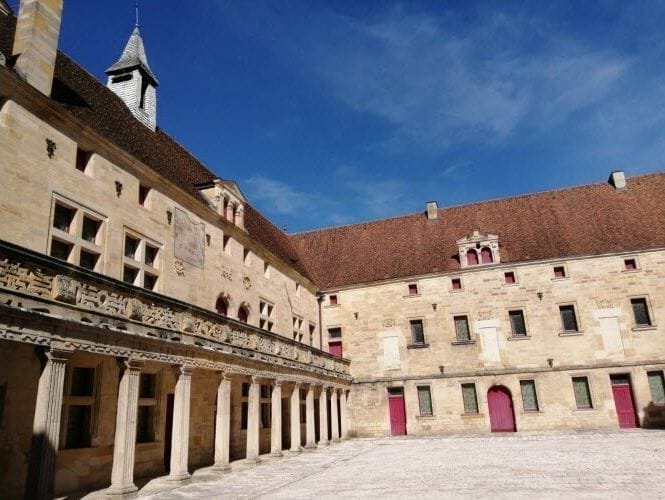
[[628, 464]]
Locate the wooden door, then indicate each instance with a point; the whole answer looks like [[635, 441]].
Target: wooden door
[[500, 403], [397, 412], [335, 348], [623, 401]]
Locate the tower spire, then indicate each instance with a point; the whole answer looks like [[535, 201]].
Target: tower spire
[[136, 10]]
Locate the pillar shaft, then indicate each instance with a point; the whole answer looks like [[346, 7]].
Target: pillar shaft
[[46, 426], [323, 416], [344, 414], [334, 416], [122, 474], [276, 420], [295, 418], [223, 424], [180, 435], [310, 429], [253, 413]]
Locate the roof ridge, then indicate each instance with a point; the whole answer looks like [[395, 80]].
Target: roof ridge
[[474, 203]]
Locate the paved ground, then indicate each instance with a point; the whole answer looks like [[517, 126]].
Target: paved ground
[[582, 465]]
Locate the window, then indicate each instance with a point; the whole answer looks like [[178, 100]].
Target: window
[[82, 158], [244, 405], [335, 342], [462, 328], [141, 261], [265, 406], [456, 283], [630, 264], [559, 272], [413, 289], [297, 329], [77, 235], [517, 324], [312, 329], [657, 387], [641, 311], [78, 405], [471, 257], [486, 256], [266, 315], [332, 300], [145, 418], [568, 318], [144, 191], [225, 244], [469, 398], [417, 333], [509, 277], [266, 270], [582, 393], [529, 398], [243, 314], [222, 306], [425, 400], [335, 333], [246, 257]]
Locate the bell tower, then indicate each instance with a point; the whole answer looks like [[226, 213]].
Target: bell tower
[[134, 82]]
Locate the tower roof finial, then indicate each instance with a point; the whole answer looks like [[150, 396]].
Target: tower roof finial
[[136, 9]]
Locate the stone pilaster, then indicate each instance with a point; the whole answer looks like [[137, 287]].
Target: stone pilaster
[[253, 421], [122, 474], [295, 418], [180, 434], [323, 416], [310, 429], [223, 424], [344, 414], [46, 426], [276, 419], [334, 416]]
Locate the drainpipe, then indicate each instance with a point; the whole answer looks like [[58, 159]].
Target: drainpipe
[[319, 299]]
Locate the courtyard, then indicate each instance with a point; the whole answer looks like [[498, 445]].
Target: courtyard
[[602, 464]]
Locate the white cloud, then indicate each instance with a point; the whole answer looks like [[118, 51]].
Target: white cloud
[[277, 195]]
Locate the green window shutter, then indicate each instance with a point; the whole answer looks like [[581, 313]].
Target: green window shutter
[[462, 328], [469, 398], [529, 398], [582, 394], [657, 387], [425, 400]]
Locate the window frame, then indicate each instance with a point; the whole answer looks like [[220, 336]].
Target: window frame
[[69, 400], [453, 282], [562, 323], [298, 322], [513, 333], [647, 310], [532, 382], [412, 290], [138, 263], [266, 314], [412, 323], [588, 391], [513, 274], [470, 385], [468, 328], [558, 267], [148, 402], [428, 389], [661, 376]]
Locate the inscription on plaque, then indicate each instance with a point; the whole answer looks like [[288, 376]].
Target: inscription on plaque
[[189, 239]]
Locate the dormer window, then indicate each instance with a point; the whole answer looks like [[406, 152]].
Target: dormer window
[[478, 248], [225, 198]]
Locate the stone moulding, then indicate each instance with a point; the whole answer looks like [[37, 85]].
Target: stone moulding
[[98, 301]]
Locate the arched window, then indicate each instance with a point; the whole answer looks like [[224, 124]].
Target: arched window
[[243, 314], [471, 257], [486, 255], [222, 306]]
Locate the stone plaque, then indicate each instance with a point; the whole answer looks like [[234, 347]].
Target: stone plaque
[[189, 239]]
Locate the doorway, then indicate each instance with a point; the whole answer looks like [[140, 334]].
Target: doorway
[[502, 414], [397, 411], [623, 401]]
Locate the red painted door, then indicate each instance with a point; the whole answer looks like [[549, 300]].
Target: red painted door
[[623, 401], [500, 403], [397, 412], [335, 348]]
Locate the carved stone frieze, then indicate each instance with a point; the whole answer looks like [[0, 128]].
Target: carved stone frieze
[[64, 289]]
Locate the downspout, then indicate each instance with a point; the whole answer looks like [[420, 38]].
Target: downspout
[[319, 299]]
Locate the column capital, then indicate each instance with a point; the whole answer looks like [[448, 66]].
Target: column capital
[[183, 370], [297, 385], [257, 379], [134, 364], [58, 355], [277, 382]]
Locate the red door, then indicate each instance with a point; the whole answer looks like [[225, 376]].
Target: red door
[[397, 412], [500, 403], [335, 348], [623, 401]]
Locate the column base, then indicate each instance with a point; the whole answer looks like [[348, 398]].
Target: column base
[[276, 453], [129, 491], [221, 468], [335, 440], [310, 446], [183, 478], [324, 443], [296, 450], [253, 460]]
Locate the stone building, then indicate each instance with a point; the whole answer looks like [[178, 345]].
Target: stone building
[[153, 322]]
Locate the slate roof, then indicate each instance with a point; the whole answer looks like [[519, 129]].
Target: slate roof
[[133, 56], [84, 97], [585, 220]]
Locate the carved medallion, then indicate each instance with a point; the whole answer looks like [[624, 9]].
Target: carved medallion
[[247, 282]]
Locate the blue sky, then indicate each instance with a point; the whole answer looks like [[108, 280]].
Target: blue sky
[[329, 113]]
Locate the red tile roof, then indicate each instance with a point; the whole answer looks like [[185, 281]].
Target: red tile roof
[[96, 106], [586, 220]]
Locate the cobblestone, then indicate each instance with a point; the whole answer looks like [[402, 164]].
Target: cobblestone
[[625, 464]]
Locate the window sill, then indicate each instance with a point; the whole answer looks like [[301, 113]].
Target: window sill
[[532, 412], [628, 271], [456, 290], [644, 328], [520, 337], [463, 342], [508, 285], [583, 410], [331, 306], [571, 334], [417, 346], [563, 278], [411, 295], [471, 415], [425, 417]]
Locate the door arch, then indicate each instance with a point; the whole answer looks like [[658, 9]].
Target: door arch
[[500, 404]]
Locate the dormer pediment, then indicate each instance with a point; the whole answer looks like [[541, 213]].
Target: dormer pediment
[[478, 248], [225, 198]]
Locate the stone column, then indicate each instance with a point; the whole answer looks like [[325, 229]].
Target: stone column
[[323, 416], [223, 424], [310, 434], [334, 416], [46, 426], [344, 414], [253, 422], [295, 418], [122, 474], [180, 434], [230, 208], [276, 420]]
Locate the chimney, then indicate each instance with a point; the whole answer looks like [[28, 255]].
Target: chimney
[[618, 180], [36, 42], [432, 210]]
